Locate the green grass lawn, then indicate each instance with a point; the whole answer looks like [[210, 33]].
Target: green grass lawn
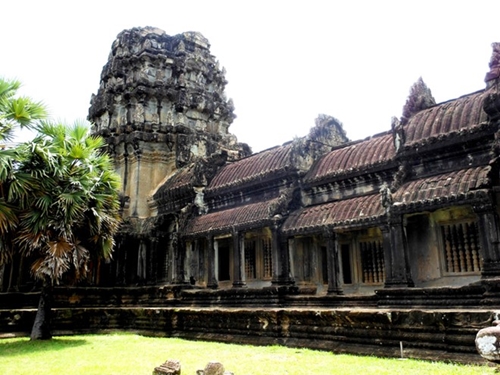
[[129, 354]]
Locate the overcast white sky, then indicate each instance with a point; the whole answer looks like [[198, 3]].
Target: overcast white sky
[[286, 61]]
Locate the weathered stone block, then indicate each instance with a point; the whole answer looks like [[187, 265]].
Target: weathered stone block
[[213, 368], [170, 367], [488, 342]]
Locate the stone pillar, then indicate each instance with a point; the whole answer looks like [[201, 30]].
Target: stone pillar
[[212, 282], [179, 255], [489, 239], [121, 261], [137, 154], [142, 261], [238, 260], [199, 263], [153, 261], [281, 258], [395, 254], [332, 256]]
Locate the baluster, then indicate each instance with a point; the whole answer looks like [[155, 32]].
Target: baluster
[[380, 262], [454, 248], [474, 247], [460, 247], [445, 230], [467, 251], [373, 261]]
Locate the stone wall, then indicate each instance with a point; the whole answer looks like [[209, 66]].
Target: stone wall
[[425, 334]]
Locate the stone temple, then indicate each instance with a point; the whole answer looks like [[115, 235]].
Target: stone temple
[[351, 246]]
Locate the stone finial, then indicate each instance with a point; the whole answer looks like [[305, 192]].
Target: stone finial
[[327, 130], [420, 98], [170, 367], [494, 73]]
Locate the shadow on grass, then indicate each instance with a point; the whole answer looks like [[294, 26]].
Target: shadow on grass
[[10, 348]]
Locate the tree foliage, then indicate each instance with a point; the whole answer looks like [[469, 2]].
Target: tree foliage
[[58, 193]]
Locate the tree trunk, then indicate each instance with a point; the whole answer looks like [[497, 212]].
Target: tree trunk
[[41, 326]]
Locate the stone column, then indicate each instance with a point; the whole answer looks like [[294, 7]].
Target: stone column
[[332, 256], [212, 282], [142, 261], [395, 254], [489, 239], [121, 261], [281, 258], [179, 255], [238, 260], [153, 261]]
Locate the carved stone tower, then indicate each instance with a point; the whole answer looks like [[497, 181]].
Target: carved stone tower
[[161, 105]]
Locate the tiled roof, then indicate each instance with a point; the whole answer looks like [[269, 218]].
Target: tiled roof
[[352, 158], [256, 167], [339, 213], [447, 187], [450, 117], [180, 183], [248, 216]]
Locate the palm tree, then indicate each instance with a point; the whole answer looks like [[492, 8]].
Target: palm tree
[[58, 206], [70, 215], [15, 112]]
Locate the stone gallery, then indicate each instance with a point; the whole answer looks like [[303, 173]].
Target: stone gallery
[[353, 246]]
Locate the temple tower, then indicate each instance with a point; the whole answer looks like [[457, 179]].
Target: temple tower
[[160, 105]]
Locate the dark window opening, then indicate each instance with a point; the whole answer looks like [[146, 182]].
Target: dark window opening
[[346, 263], [224, 264], [372, 262]]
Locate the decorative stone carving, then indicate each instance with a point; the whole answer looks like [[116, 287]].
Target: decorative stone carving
[[327, 130], [166, 93], [494, 65], [420, 98], [398, 133], [386, 199]]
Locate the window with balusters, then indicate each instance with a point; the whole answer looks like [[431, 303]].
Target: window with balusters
[[267, 256], [258, 258], [250, 261], [461, 248], [372, 262], [362, 257]]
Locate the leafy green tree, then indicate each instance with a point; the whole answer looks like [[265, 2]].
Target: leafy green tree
[[62, 193], [15, 112]]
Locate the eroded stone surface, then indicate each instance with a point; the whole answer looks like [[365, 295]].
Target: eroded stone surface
[[488, 342], [161, 105], [170, 367]]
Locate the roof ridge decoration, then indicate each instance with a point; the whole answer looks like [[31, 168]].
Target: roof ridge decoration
[[492, 101], [420, 98], [492, 76], [325, 130]]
